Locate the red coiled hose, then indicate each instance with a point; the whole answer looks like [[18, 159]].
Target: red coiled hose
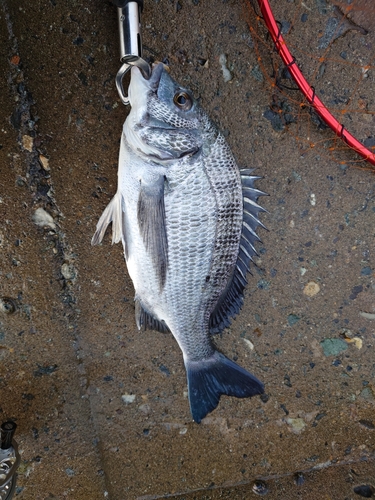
[[306, 88]]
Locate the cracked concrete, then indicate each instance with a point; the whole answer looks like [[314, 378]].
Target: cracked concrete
[[101, 409]]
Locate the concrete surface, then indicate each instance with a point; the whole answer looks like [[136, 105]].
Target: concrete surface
[[70, 352]]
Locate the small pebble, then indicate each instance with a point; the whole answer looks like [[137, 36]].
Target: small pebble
[[367, 394], [249, 344], [355, 291], [164, 370], [367, 423], [68, 271], [293, 319], [367, 315], [366, 271], [264, 398], [364, 490], [27, 143], [44, 162], [128, 398], [78, 41], [357, 341], [223, 63], [333, 347], [311, 289], [297, 424], [43, 219]]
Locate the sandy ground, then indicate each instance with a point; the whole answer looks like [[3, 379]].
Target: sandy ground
[[70, 351]]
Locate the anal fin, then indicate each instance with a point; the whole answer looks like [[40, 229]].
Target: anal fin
[[146, 321]]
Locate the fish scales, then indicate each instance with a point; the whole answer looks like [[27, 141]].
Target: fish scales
[[209, 236], [182, 216], [225, 180], [190, 207]]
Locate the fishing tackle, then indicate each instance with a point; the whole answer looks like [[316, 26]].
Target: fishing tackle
[[9, 460], [129, 24]]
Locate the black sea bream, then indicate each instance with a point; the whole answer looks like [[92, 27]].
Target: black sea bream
[[187, 219]]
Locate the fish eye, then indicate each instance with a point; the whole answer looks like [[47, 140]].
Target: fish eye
[[183, 101]]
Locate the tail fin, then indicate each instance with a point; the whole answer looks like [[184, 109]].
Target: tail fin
[[211, 377]]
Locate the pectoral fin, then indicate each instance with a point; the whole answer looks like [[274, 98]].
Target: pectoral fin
[[152, 226], [113, 213]]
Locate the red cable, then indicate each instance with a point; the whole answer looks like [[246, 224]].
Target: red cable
[[306, 88]]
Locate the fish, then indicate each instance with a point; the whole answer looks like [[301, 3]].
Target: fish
[[187, 218]]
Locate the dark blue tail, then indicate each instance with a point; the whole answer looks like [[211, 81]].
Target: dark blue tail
[[209, 378]]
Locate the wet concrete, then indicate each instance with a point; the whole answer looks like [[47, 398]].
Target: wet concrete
[[71, 354]]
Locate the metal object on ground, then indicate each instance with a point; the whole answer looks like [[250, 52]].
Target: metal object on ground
[[129, 22], [9, 460]]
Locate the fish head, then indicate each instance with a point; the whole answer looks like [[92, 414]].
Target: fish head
[[165, 122]]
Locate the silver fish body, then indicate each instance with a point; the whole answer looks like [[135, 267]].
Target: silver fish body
[[187, 219]]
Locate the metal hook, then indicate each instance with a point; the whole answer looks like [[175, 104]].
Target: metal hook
[[129, 62], [120, 88]]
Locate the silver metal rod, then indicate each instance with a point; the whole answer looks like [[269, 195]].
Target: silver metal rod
[[130, 31], [129, 23]]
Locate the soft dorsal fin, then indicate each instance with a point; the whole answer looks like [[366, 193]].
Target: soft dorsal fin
[[152, 226], [146, 321], [231, 299]]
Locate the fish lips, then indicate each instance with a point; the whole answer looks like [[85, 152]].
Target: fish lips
[[153, 81], [157, 72]]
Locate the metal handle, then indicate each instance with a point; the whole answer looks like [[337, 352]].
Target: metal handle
[[129, 23], [7, 431], [9, 460]]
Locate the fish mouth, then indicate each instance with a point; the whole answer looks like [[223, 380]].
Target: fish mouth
[[156, 72], [152, 81], [140, 85]]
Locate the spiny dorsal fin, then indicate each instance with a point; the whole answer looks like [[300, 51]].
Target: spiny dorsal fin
[[231, 300]]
